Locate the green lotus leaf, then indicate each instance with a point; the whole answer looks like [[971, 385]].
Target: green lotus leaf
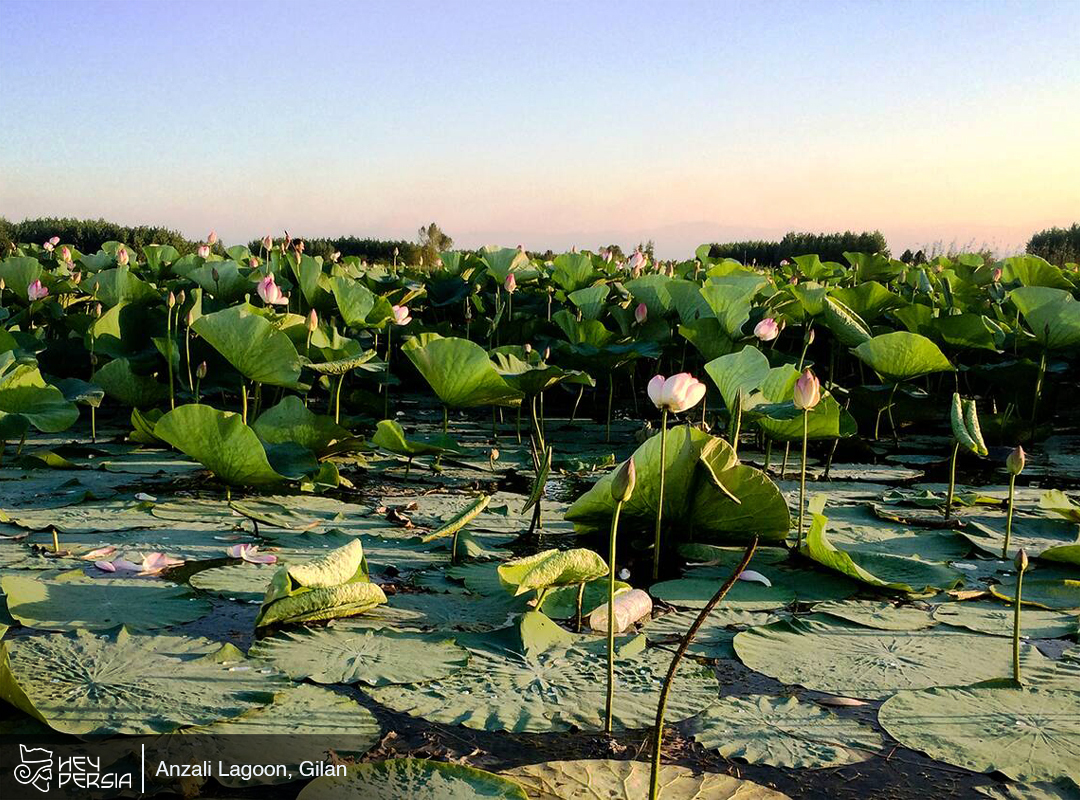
[[970, 330], [25, 398], [729, 298], [573, 271], [1025, 733], [115, 286], [130, 684], [18, 272], [714, 637], [292, 421], [783, 732], [551, 568], [884, 571], [1033, 271], [901, 355], [501, 261], [244, 581], [255, 348], [459, 371], [629, 780], [868, 300], [881, 614], [354, 300], [591, 300], [390, 436], [220, 441], [414, 778], [529, 374], [229, 286], [996, 619], [845, 324], [1041, 592], [1052, 314], [706, 335], [120, 382], [652, 290], [1057, 502], [738, 374]]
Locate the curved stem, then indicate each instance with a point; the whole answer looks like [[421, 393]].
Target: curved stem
[[187, 358], [611, 617], [1008, 517], [1016, 625], [660, 501], [337, 398], [580, 601], [952, 480], [1038, 389], [658, 734], [802, 475]]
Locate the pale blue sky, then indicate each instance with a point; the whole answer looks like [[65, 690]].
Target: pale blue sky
[[546, 123]]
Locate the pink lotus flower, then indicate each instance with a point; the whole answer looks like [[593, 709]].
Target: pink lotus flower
[[677, 393], [767, 329], [401, 315], [99, 553], [122, 257], [54, 241], [35, 291], [268, 242], [250, 553], [48, 246], [212, 238], [253, 262], [270, 293], [637, 261], [203, 251], [152, 564], [510, 284], [807, 391], [641, 313], [996, 274], [312, 321], [65, 253]]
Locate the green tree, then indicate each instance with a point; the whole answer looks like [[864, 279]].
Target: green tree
[[432, 241]]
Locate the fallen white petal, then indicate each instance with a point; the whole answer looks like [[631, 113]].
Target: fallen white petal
[[753, 575]]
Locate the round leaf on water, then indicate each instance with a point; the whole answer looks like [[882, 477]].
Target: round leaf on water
[[130, 684], [413, 778], [854, 661], [714, 637], [67, 605], [245, 582], [629, 780], [1028, 734], [1042, 593], [901, 355], [255, 348], [220, 441], [997, 620], [782, 732], [339, 654], [880, 614]]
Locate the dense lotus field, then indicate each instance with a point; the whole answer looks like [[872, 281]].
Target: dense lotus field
[[363, 523]]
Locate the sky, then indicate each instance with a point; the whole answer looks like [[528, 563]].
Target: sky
[[549, 124]]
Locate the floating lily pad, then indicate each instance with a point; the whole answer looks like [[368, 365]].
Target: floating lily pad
[[699, 584], [854, 661], [414, 778], [1063, 789], [72, 603], [245, 582], [880, 614], [714, 637], [1027, 734], [376, 658], [1062, 595], [629, 780], [456, 611], [1035, 534], [997, 620], [85, 684], [782, 732]]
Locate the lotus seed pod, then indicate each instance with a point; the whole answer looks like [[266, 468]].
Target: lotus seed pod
[[622, 485], [630, 606], [1021, 560], [1015, 461]]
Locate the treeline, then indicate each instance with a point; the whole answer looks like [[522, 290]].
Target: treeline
[[373, 250], [87, 235], [829, 246], [1059, 246]]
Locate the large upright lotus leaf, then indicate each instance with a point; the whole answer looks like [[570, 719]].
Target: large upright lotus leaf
[[516, 683], [354, 300], [629, 780], [869, 300], [530, 375], [69, 604], [501, 261], [18, 272], [1025, 733], [414, 778], [884, 571], [573, 271], [900, 355], [459, 371], [389, 435], [1033, 271], [25, 394], [292, 421], [1052, 314], [652, 290], [115, 286], [760, 511], [996, 619], [688, 302], [970, 330], [361, 655], [706, 335], [738, 373], [827, 420], [120, 382], [845, 324], [130, 684], [220, 441], [258, 350], [591, 300], [229, 285], [783, 732], [551, 568], [588, 332], [729, 298], [854, 661]]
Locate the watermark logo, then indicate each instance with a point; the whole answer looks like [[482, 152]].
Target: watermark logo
[[36, 768], [44, 770]]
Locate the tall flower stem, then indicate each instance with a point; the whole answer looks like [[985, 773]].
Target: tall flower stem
[[660, 501], [1038, 390], [386, 382], [952, 480], [802, 475], [187, 358], [658, 733], [168, 353], [1016, 623], [243, 401], [611, 617], [610, 399], [1009, 517]]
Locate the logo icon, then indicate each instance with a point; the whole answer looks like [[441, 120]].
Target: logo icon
[[36, 768]]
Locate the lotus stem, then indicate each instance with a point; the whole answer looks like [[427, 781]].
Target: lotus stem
[[580, 600], [610, 398], [768, 454], [611, 617], [1009, 517], [243, 401], [1016, 620], [892, 422], [517, 425], [337, 399], [168, 354], [573, 411], [55, 541], [802, 475], [445, 419], [93, 424], [1038, 390], [783, 463], [187, 357], [386, 380], [952, 480], [658, 733], [660, 502]]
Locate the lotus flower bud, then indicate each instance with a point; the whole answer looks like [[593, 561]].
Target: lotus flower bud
[[268, 243], [396, 253], [48, 246], [97, 310], [996, 274], [622, 484], [641, 313], [190, 317], [510, 284], [122, 257], [401, 315], [335, 256], [35, 291], [215, 274], [807, 391], [1021, 560], [810, 337], [528, 348], [203, 251], [212, 238], [253, 262], [3, 284], [547, 353], [171, 300], [637, 260], [1015, 461], [65, 253], [630, 606], [312, 321], [54, 241], [200, 371], [767, 330], [76, 278]]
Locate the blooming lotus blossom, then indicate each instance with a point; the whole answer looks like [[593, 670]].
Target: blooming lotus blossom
[[54, 241], [35, 291], [122, 257], [677, 393], [767, 329], [641, 313], [250, 553], [637, 261], [270, 293], [152, 564], [212, 238], [401, 315], [510, 284], [48, 246], [807, 391], [203, 251]]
